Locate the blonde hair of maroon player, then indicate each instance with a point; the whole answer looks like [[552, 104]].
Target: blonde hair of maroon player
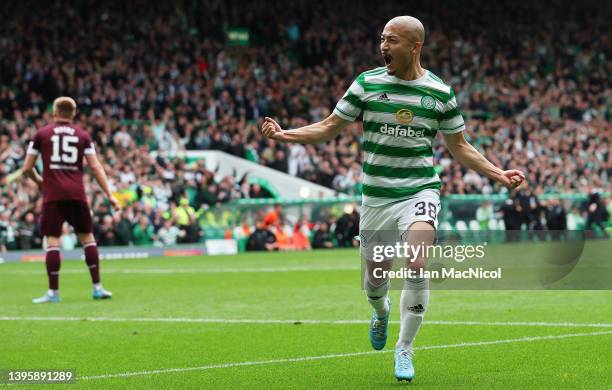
[[64, 107]]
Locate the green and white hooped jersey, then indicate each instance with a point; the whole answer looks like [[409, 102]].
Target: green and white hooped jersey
[[400, 121]]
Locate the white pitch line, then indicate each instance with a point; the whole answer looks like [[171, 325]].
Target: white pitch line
[[519, 323], [338, 355], [297, 321], [162, 271]]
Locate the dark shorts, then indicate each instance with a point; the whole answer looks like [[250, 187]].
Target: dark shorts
[[75, 212]]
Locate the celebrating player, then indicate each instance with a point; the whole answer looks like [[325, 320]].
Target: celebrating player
[[63, 146], [403, 106]]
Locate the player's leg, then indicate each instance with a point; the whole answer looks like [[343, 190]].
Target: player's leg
[[377, 288], [51, 228], [413, 301], [372, 225], [80, 219], [415, 294], [377, 291], [418, 221], [92, 259]]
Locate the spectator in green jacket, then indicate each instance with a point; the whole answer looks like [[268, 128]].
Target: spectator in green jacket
[[143, 233]]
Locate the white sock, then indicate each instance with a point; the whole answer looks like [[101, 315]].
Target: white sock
[[377, 296], [413, 303], [98, 286], [52, 292]]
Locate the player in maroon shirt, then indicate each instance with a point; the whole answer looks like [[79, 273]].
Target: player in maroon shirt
[[63, 146]]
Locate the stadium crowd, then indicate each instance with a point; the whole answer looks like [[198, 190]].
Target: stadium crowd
[[532, 80]]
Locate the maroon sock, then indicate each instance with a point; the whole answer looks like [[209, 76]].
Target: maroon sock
[[93, 261], [53, 261]]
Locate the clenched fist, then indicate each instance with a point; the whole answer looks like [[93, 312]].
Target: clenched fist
[[512, 179], [271, 129]]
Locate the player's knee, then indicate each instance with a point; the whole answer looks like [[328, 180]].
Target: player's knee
[[375, 271], [420, 233], [417, 265], [53, 242], [86, 238], [419, 236], [376, 288]]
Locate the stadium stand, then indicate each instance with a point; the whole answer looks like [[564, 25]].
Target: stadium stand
[[163, 77]]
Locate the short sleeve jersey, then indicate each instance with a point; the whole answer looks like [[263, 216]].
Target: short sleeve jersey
[[400, 121], [62, 147]]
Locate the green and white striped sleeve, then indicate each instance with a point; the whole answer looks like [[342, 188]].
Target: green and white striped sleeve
[[451, 120], [351, 104]]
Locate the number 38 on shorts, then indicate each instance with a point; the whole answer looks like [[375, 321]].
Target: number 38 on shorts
[[399, 216]]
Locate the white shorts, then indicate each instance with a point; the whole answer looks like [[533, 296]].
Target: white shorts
[[387, 223]]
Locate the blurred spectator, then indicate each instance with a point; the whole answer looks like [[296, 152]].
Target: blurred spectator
[[169, 233], [29, 237], [261, 239], [575, 220], [322, 238], [241, 231], [273, 217], [556, 219], [299, 239], [192, 232], [347, 228], [123, 228], [8, 231], [183, 215], [283, 240], [106, 231], [484, 214], [256, 192], [597, 215], [68, 240], [143, 232], [4, 230], [532, 210], [513, 216]]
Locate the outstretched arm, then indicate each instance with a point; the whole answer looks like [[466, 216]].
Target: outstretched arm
[[470, 158], [100, 175], [315, 133]]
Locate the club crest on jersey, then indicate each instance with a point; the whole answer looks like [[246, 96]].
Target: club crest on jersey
[[404, 116], [428, 102], [399, 131]]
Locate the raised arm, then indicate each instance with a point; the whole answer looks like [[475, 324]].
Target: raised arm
[[101, 178], [470, 158], [315, 133]]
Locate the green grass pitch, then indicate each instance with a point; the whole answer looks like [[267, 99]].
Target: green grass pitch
[[188, 342]]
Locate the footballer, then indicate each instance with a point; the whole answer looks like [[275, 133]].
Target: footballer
[[403, 105], [63, 146]]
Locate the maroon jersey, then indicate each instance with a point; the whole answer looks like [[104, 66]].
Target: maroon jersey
[[62, 146]]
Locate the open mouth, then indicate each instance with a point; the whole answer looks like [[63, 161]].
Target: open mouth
[[387, 59]]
